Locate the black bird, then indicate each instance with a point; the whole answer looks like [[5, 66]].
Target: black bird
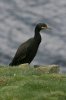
[[27, 51]]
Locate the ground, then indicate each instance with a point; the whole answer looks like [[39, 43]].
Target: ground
[[29, 83]]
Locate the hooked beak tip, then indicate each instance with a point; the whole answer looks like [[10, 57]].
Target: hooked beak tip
[[49, 28]]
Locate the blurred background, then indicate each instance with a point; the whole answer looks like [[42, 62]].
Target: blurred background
[[18, 19]]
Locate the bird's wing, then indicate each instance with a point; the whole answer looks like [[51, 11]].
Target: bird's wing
[[22, 51]]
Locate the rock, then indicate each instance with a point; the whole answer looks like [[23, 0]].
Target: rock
[[47, 68], [26, 65]]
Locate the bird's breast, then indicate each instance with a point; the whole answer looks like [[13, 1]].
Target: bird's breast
[[32, 50]]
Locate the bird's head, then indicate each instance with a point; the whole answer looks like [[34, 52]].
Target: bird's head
[[41, 26]]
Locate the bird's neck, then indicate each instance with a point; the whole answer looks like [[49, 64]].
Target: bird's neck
[[37, 36], [37, 32]]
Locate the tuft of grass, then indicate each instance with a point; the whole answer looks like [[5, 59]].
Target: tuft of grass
[[27, 83]]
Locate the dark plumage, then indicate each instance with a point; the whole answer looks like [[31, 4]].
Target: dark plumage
[[27, 51]]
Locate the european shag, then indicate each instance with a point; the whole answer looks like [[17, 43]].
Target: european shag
[[27, 51]]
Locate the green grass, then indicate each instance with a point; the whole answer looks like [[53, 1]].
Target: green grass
[[17, 83]]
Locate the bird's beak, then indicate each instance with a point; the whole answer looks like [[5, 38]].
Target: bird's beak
[[49, 28]]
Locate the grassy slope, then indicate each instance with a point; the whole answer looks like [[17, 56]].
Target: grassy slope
[[18, 83]]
